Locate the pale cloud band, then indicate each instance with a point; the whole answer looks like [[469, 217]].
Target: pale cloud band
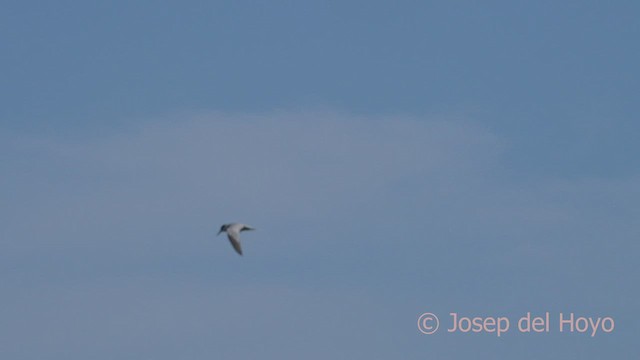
[[388, 213]]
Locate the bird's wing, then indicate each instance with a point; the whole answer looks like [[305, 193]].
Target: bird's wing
[[235, 241], [246, 227]]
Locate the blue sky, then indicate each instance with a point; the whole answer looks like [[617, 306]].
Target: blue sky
[[396, 159]]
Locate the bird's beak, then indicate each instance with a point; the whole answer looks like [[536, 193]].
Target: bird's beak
[[219, 232]]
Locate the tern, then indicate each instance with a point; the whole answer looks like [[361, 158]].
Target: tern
[[233, 231]]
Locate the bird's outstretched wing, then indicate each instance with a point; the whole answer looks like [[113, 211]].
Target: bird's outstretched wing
[[235, 241]]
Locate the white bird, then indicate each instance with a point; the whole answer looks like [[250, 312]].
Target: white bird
[[233, 233]]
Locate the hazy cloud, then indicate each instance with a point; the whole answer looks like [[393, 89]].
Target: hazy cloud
[[108, 243]]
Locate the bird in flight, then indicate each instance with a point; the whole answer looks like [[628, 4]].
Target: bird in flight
[[233, 231]]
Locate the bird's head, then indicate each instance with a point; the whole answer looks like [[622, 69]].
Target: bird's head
[[223, 228]]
